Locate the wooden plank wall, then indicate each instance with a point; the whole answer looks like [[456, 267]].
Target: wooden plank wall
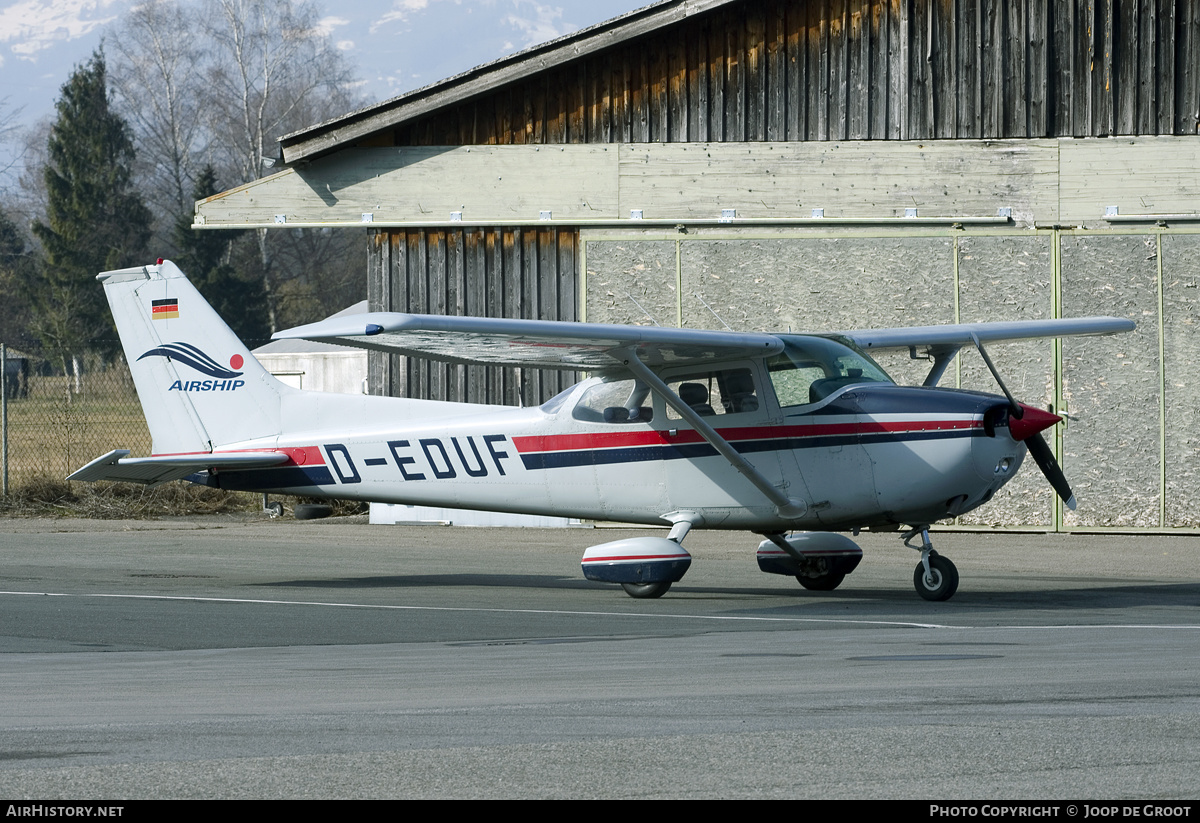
[[523, 273], [783, 70]]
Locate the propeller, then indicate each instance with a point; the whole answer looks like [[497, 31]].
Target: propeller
[[1039, 449], [1024, 424]]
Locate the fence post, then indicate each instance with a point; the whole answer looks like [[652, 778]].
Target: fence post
[[4, 420]]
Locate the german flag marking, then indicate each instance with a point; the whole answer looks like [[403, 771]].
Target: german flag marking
[[165, 309]]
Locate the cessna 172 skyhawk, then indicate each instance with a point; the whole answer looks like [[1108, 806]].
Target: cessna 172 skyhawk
[[770, 433]]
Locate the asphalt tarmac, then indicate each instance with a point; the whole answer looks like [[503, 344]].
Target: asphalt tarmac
[[248, 658]]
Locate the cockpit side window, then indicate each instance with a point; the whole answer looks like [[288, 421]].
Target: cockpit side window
[[715, 392], [618, 402], [793, 381], [809, 369]]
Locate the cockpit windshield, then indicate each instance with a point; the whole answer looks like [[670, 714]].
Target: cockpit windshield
[[810, 368]]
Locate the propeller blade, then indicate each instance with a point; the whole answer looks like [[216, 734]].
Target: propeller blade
[[1024, 424], [1039, 449]]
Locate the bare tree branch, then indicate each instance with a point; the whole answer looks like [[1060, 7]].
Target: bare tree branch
[[159, 79], [217, 86], [272, 72], [9, 132]]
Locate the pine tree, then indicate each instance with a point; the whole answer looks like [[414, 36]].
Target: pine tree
[[16, 265], [95, 221]]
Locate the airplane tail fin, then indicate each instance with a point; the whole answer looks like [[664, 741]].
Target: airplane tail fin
[[198, 384]]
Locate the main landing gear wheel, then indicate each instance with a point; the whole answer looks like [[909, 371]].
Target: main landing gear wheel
[[826, 582], [942, 581], [645, 591]]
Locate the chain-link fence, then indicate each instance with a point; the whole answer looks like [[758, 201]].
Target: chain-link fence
[[55, 423]]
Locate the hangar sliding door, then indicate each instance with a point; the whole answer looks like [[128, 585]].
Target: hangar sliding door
[[1129, 447]]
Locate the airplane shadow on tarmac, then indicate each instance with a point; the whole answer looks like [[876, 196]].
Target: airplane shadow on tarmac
[[417, 581], [1045, 598]]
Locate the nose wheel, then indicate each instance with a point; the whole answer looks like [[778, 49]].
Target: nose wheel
[[935, 577], [939, 582]]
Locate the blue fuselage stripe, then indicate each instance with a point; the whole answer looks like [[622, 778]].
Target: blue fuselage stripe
[[291, 477]]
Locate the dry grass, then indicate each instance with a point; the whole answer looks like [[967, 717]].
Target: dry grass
[[52, 432], [52, 497], [43, 496]]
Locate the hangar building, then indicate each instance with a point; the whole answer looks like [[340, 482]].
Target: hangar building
[[812, 165]]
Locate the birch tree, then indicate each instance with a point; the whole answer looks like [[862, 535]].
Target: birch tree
[[159, 79], [272, 73], [216, 83]]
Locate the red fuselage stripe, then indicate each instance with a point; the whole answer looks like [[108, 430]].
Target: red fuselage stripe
[[635, 557], [617, 440]]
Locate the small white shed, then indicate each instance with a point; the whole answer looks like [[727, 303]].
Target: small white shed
[[304, 364]]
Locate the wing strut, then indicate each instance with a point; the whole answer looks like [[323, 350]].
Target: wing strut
[[942, 356], [787, 507], [1013, 405]]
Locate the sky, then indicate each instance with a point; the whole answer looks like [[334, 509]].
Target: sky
[[395, 45]]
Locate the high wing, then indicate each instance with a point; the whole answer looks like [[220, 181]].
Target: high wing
[[543, 344], [942, 343], [967, 334], [549, 344], [118, 465]]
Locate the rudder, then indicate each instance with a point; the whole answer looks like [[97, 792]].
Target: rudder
[[199, 386]]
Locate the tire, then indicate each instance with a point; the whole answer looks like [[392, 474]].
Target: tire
[[645, 591], [821, 583], [273, 509], [942, 582], [312, 511]]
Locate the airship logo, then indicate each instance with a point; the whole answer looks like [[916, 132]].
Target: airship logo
[[189, 355]]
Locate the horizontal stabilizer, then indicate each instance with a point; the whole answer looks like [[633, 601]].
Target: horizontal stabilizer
[[118, 465]]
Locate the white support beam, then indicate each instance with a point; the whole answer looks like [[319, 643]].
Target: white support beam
[[1037, 182]]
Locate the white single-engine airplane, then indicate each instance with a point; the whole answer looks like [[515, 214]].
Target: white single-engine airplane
[[770, 433]]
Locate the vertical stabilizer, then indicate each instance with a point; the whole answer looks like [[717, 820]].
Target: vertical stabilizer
[[199, 385]]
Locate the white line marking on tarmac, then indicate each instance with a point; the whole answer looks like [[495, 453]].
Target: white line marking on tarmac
[[569, 613], [562, 612]]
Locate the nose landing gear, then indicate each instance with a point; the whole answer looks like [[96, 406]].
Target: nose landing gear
[[935, 577]]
